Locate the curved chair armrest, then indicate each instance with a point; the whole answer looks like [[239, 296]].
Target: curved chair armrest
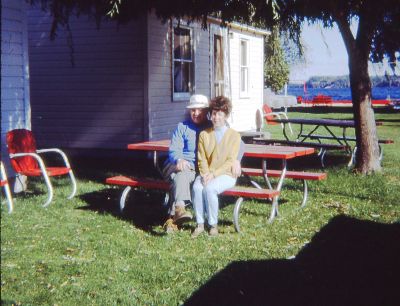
[[42, 169], [6, 186], [34, 155], [272, 114], [3, 172], [279, 115], [64, 157], [284, 115]]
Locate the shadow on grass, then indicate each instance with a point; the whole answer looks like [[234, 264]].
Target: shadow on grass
[[349, 262], [388, 120], [144, 210], [100, 168], [9, 303]]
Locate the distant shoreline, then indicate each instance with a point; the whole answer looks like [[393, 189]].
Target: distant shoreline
[[330, 82]]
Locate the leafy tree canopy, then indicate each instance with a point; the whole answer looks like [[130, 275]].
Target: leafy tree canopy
[[125, 10], [379, 20], [276, 70]]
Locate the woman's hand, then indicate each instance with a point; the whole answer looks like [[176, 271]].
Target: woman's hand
[[236, 169], [207, 178]]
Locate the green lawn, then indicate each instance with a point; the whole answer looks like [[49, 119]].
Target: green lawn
[[84, 252]]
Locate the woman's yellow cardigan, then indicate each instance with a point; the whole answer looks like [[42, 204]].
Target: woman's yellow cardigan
[[217, 158]]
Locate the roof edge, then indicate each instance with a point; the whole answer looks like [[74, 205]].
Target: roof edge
[[239, 26]]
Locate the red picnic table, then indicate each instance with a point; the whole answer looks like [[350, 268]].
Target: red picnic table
[[263, 152]]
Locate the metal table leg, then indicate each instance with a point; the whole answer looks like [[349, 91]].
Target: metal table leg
[[275, 204], [123, 198]]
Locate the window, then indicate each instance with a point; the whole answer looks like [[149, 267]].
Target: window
[[183, 64], [244, 68], [218, 66]]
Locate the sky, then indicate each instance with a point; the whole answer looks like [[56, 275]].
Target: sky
[[325, 54]]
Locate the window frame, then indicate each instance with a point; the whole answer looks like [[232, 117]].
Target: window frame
[[244, 93], [182, 96]]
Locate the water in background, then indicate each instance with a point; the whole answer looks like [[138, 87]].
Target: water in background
[[378, 93]]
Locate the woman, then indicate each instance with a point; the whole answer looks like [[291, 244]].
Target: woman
[[218, 148]]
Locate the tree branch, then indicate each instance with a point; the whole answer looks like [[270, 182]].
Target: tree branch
[[366, 26], [344, 27]]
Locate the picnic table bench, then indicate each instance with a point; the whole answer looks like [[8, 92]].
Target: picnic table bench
[[238, 191], [297, 175], [256, 192]]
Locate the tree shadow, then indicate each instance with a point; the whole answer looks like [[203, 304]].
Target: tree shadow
[[389, 122], [349, 262], [9, 302]]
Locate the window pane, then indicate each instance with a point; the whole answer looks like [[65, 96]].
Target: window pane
[[182, 62], [243, 79], [243, 53], [182, 48], [182, 77], [218, 59]]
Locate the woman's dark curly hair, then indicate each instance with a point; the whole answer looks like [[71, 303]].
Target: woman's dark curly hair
[[221, 103]]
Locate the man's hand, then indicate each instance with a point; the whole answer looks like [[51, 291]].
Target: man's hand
[[236, 169], [207, 178], [182, 165]]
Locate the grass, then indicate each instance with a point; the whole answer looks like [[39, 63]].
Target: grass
[[84, 252]]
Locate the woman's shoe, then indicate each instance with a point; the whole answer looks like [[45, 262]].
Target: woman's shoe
[[213, 231], [198, 230]]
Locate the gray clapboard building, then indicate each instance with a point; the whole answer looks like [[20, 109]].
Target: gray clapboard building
[[104, 87]]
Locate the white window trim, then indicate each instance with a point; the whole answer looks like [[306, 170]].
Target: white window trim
[[181, 96], [244, 94]]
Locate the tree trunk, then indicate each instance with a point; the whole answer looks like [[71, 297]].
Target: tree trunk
[[367, 154]]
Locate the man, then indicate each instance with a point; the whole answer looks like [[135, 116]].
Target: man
[[180, 166]]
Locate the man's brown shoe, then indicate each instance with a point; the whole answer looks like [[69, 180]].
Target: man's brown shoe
[[170, 227], [181, 215]]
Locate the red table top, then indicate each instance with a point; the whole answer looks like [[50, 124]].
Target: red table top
[[251, 150]]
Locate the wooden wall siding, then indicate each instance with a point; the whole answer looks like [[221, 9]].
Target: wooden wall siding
[[244, 109], [15, 111], [164, 114], [98, 102]]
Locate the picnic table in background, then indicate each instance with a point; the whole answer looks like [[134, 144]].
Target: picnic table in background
[[341, 139]]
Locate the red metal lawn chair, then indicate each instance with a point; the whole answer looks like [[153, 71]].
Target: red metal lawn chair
[[6, 186], [25, 160], [270, 115]]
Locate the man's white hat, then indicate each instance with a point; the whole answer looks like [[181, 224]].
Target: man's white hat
[[198, 101]]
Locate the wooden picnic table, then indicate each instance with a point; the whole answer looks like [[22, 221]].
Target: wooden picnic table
[[263, 152]]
